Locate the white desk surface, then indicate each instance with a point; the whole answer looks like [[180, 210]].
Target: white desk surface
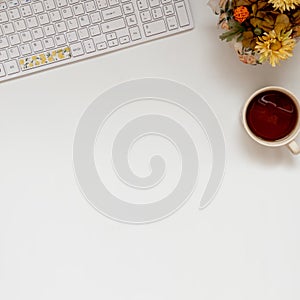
[[54, 245]]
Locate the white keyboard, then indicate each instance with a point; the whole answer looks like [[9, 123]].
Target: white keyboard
[[37, 35]]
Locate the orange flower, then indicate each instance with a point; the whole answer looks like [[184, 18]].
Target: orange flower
[[241, 13]]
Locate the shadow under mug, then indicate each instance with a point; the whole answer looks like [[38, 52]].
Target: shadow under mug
[[289, 139]]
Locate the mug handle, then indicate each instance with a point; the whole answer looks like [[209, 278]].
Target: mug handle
[[294, 147]]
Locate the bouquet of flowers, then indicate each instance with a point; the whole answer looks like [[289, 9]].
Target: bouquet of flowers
[[261, 30]]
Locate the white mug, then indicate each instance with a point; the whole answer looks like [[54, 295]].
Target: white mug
[[289, 139]]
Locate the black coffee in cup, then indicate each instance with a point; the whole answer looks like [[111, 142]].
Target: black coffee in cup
[[272, 115]]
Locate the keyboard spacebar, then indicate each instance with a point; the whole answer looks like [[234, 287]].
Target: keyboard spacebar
[[44, 58]]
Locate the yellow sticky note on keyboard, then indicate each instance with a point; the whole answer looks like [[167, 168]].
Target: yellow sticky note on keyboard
[[44, 58]]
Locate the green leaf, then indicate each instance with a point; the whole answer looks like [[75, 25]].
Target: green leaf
[[235, 31]]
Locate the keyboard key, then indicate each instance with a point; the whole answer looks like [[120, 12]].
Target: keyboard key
[[61, 3], [131, 20], [99, 39], [112, 25], [67, 13], [83, 33], [168, 9], [45, 58], [43, 19], [101, 4], [113, 2], [111, 36], [37, 33], [101, 46], [113, 43], [94, 30], [90, 6], [77, 49], [72, 37], [3, 6], [142, 4], [182, 14], [128, 8], [25, 1], [37, 46], [14, 39], [61, 27], [26, 11], [172, 23], [95, 17], [135, 33], [49, 4], [25, 49], [49, 30], [8, 28], [89, 46], [145, 16], [154, 3], [55, 16], [78, 10], [2, 71], [20, 25], [32, 22], [26, 36], [60, 40], [13, 52], [84, 21], [3, 55], [14, 14], [11, 67], [72, 24], [38, 7], [124, 39], [155, 28], [3, 17], [3, 42], [111, 13], [49, 43], [157, 13], [12, 3]]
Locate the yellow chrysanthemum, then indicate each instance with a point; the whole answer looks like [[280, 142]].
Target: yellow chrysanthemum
[[283, 5], [274, 47]]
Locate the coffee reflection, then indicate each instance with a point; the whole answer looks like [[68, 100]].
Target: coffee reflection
[[272, 115]]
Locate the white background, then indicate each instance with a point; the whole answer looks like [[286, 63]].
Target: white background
[[54, 245]]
